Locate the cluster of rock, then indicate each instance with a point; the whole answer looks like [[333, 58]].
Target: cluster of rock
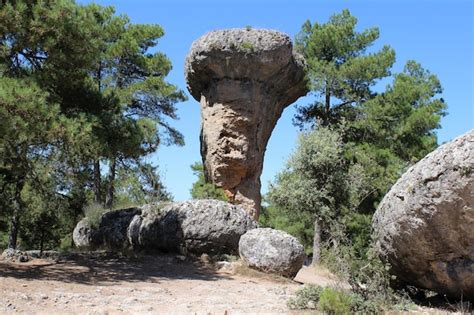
[[14, 255], [194, 226], [424, 226], [243, 79], [197, 227]]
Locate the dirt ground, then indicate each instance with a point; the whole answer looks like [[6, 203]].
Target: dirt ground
[[165, 284], [145, 285]]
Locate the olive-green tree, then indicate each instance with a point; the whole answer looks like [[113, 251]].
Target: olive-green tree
[[361, 141]]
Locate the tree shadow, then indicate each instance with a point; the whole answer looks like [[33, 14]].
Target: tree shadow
[[108, 269]]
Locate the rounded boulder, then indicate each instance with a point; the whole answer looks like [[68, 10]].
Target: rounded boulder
[[424, 226], [193, 226], [272, 251]]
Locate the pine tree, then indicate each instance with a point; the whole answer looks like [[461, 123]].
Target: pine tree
[[340, 70]]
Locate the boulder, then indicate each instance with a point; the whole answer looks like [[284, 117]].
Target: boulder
[[113, 225], [424, 226], [157, 228], [14, 255], [243, 79], [272, 251], [194, 226], [82, 234], [111, 232]]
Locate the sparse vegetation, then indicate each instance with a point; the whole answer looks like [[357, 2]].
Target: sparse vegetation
[[202, 189], [93, 213], [247, 46]]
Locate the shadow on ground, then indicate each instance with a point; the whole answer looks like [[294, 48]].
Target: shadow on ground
[[109, 269]]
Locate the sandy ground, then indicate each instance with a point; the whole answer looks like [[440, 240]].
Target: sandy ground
[[145, 285]]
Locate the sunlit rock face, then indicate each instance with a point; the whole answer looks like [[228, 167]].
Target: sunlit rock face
[[243, 79], [424, 226]]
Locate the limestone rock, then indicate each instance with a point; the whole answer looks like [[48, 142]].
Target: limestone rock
[[82, 234], [272, 251], [111, 232], [195, 226], [243, 79], [14, 255], [157, 228], [425, 224]]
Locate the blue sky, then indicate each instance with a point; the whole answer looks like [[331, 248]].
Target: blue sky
[[438, 34]]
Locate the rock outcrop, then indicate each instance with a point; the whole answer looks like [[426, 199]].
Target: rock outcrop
[[272, 251], [425, 224], [194, 226], [243, 79], [111, 232]]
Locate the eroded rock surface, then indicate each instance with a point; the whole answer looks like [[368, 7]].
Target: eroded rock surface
[[195, 226], [272, 251], [111, 232], [82, 234], [243, 79], [425, 224]]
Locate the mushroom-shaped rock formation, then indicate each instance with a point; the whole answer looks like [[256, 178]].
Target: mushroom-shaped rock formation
[[243, 79]]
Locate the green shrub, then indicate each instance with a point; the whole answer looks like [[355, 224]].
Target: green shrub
[[326, 300], [66, 243], [369, 278], [306, 297], [332, 301], [247, 46]]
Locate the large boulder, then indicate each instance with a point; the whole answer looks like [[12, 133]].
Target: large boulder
[[272, 251], [243, 79], [424, 226], [194, 226], [111, 232]]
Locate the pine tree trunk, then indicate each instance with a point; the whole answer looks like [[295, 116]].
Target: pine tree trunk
[[15, 221], [15, 225], [317, 242], [41, 243], [327, 105], [97, 182], [109, 201]]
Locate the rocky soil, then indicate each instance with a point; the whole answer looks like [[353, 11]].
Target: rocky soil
[[168, 284], [147, 285]]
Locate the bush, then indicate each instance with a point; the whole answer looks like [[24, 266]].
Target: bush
[[335, 302], [369, 278], [306, 297], [326, 300]]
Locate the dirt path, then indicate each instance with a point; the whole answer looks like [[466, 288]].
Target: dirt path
[[148, 285]]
